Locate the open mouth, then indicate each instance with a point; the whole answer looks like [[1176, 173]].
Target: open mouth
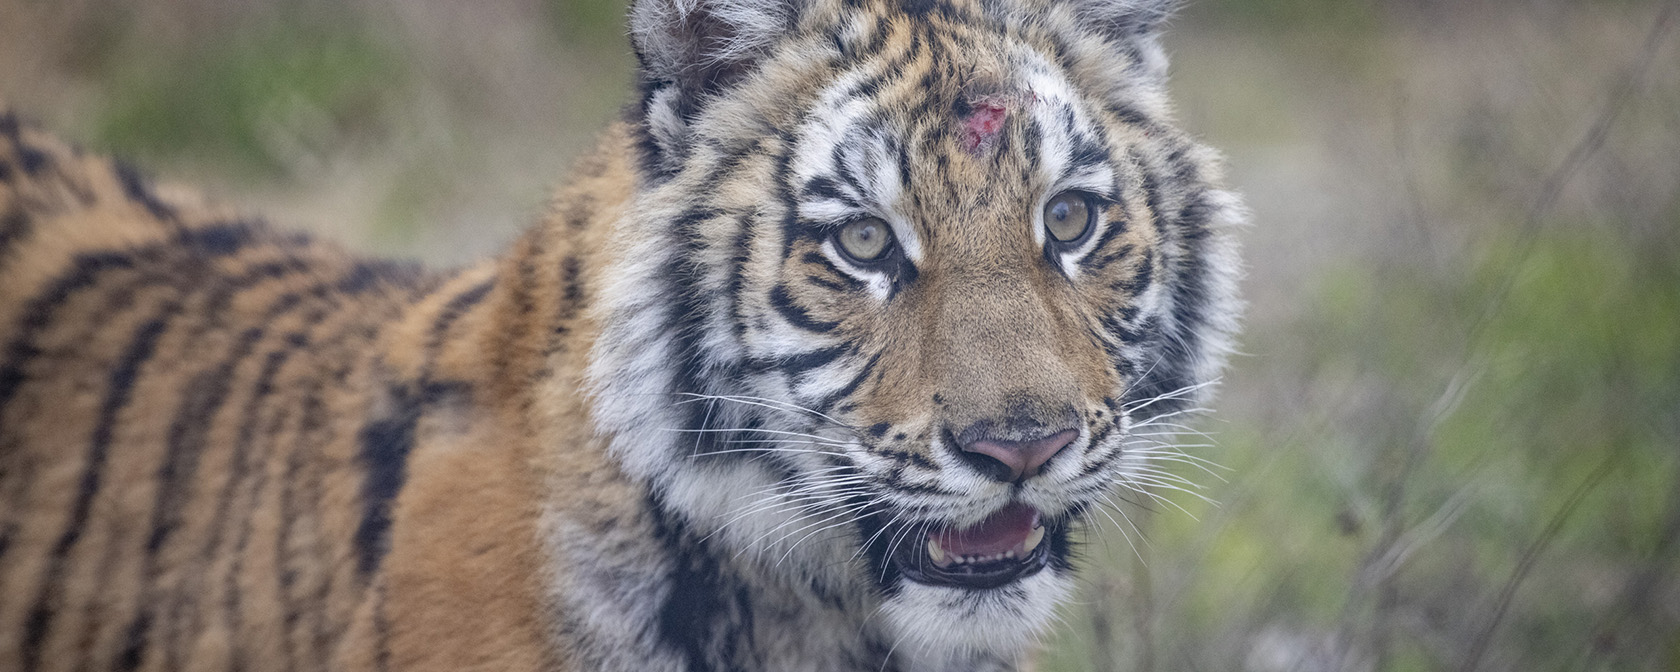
[[1006, 546]]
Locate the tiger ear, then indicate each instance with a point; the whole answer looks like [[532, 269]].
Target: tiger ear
[[1127, 18], [689, 50], [1133, 25], [702, 46]]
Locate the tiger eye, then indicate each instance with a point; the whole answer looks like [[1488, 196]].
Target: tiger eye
[[1068, 216], [866, 239]]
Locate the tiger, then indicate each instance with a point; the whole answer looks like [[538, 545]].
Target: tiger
[[819, 362]]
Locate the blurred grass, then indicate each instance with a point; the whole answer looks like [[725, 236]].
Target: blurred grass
[[255, 98], [1429, 377]]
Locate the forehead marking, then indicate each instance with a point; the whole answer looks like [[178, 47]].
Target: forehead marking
[[982, 125]]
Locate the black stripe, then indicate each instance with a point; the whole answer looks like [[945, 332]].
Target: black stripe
[[571, 287], [706, 617], [840, 280], [453, 310], [191, 441], [650, 163], [795, 365], [116, 301], [233, 597], [741, 253], [688, 323], [14, 225], [795, 314], [1087, 153], [1188, 272], [314, 418], [368, 274], [351, 339], [827, 188], [238, 464], [202, 399], [225, 238], [876, 551], [134, 643], [381, 631], [30, 159], [84, 272], [385, 444], [1133, 117], [1135, 284], [828, 402], [21, 477], [121, 387], [138, 190], [298, 341]]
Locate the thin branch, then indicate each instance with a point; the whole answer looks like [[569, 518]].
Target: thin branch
[[1584, 150], [1530, 557]]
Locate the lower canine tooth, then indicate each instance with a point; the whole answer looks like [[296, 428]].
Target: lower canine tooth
[[1033, 538], [935, 552]]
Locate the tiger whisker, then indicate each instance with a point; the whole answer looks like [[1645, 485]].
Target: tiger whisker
[[822, 526], [772, 404], [1141, 486], [747, 430]]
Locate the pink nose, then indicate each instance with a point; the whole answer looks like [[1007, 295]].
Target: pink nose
[[1023, 458]]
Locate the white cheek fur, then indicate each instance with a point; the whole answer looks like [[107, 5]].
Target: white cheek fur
[[941, 628]]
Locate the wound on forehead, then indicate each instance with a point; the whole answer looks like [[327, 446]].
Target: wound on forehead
[[982, 121]]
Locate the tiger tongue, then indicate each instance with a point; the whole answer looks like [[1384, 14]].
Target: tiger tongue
[[1002, 531]]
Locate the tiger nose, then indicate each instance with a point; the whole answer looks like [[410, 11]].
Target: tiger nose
[[1021, 459]]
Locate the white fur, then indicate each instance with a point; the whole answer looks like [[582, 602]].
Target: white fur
[[753, 27], [944, 628]]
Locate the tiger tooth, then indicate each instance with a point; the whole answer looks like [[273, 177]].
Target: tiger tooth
[[1033, 538], [935, 552]]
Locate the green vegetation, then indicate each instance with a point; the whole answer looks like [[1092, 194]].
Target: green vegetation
[[1509, 424], [596, 24], [255, 99]]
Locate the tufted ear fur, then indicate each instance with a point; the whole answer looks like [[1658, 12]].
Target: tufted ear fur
[[690, 49], [1127, 17], [703, 45], [1133, 25]]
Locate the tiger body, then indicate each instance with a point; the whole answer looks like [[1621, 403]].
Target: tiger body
[[680, 425]]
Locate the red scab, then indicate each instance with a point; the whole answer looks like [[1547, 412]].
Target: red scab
[[982, 126]]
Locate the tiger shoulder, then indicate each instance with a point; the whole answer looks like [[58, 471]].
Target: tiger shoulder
[[820, 361]]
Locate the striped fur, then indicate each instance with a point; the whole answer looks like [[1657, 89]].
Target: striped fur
[[674, 427]]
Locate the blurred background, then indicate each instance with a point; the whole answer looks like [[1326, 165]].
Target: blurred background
[[1451, 441]]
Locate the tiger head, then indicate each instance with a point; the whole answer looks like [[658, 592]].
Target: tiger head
[[902, 285]]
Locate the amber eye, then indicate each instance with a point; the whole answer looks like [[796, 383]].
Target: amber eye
[[1068, 216], [865, 240]]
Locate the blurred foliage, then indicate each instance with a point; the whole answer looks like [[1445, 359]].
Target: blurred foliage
[[1314, 15], [593, 23], [1483, 398], [256, 98]]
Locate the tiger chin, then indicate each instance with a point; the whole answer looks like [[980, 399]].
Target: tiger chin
[[819, 362]]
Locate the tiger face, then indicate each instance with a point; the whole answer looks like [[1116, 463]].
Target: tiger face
[[906, 280]]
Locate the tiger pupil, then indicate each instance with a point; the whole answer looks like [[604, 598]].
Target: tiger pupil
[[1067, 216], [864, 240]]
